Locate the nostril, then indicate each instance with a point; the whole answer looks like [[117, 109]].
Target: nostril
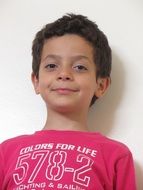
[[59, 77], [68, 78], [64, 77]]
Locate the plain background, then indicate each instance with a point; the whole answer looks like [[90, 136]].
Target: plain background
[[119, 114]]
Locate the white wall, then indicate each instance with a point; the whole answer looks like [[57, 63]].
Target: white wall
[[120, 113]]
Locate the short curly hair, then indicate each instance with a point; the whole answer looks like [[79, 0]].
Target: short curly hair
[[85, 28]]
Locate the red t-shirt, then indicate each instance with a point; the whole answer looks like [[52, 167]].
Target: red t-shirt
[[64, 160]]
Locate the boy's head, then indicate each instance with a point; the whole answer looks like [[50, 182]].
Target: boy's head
[[81, 26]]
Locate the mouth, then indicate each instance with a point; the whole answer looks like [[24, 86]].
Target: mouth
[[64, 91]]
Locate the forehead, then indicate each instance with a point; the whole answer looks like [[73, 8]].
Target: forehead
[[67, 45]]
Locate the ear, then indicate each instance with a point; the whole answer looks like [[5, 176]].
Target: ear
[[102, 86], [35, 82]]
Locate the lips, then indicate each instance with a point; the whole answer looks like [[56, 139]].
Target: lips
[[64, 91]]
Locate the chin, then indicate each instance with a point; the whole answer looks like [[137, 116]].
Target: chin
[[65, 108]]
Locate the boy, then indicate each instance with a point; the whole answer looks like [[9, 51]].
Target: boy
[[71, 69]]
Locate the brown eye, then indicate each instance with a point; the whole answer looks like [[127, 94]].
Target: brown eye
[[80, 68], [51, 66]]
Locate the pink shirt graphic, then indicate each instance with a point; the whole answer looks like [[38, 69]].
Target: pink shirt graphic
[[65, 160]]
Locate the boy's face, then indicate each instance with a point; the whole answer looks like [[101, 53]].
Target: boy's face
[[67, 74]]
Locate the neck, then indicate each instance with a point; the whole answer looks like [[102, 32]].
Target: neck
[[65, 121]]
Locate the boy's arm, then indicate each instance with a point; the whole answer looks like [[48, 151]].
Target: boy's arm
[[125, 173], [1, 169]]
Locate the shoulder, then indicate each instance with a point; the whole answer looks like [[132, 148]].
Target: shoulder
[[14, 142], [109, 148], [114, 147], [104, 145], [112, 142], [16, 139]]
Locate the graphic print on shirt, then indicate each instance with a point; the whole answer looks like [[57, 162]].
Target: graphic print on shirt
[[53, 166]]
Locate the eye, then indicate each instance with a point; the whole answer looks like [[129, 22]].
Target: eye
[[51, 66], [80, 68]]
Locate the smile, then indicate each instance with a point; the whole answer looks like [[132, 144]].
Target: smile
[[64, 91]]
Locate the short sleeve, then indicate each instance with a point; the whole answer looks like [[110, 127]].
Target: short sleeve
[[125, 173]]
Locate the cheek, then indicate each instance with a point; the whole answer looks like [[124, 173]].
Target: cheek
[[45, 80], [43, 86], [90, 82], [89, 87]]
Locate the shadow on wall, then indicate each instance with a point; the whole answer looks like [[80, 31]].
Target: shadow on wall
[[139, 176], [102, 114]]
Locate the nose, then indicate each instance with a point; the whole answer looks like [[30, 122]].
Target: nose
[[65, 75]]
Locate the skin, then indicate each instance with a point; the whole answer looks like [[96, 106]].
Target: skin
[[67, 82]]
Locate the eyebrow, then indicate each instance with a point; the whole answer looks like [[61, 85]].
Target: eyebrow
[[58, 57]]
